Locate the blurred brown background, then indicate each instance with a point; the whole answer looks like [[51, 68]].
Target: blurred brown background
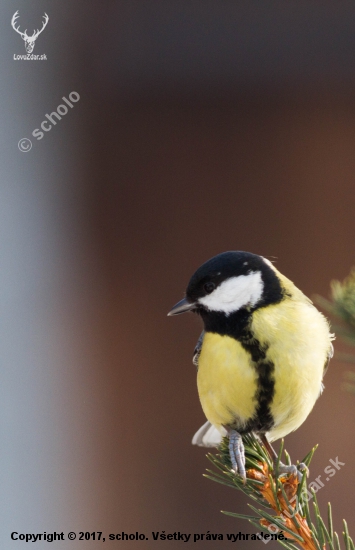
[[202, 127]]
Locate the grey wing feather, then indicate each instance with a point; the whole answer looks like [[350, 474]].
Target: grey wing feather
[[197, 350], [208, 436]]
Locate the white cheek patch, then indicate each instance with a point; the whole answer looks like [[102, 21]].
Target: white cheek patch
[[235, 293]]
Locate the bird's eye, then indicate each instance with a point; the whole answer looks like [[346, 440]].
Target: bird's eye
[[209, 287]]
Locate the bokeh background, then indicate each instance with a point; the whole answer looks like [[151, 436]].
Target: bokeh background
[[201, 127]]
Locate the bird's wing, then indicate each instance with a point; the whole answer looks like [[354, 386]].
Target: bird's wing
[[197, 349], [208, 436]]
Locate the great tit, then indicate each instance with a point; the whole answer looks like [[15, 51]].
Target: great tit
[[262, 355]]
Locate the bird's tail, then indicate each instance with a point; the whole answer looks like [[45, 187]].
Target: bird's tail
[[208, 436]]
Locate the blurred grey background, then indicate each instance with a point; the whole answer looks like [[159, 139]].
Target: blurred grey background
[[201, 127]]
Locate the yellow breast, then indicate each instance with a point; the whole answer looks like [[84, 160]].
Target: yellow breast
[[296, 337], [298, 341], [226, 380]]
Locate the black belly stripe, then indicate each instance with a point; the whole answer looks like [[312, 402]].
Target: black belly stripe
[[237, 326], [263, 420]]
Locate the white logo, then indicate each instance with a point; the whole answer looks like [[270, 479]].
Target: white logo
[[29, 40]]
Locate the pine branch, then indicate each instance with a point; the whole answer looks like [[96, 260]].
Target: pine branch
[[284, 501]]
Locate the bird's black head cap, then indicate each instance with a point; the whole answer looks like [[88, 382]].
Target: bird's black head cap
[[218, 269]]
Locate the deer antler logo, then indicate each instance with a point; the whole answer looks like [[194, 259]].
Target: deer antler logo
[[29, 40]]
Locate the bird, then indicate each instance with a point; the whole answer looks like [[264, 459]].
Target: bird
[[261, 356]]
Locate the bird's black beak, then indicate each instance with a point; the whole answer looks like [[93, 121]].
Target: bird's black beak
[[181, 307]]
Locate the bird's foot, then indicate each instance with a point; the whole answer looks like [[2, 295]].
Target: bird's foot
[[281, 468], [237, 453], [292, 469]]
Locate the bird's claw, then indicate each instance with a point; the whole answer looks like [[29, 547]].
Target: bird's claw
[[237, 454], [294, 470]]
